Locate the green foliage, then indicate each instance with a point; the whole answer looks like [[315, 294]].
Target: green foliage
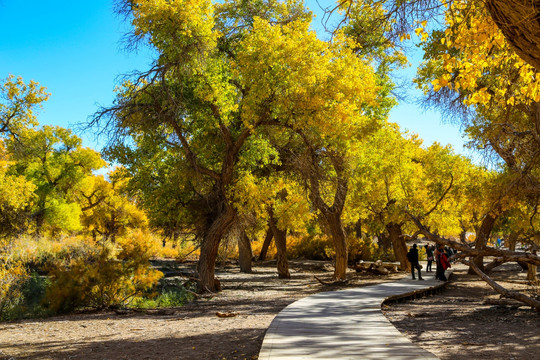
[[34, 289], [53, 160], [31, 300], [171, 293]]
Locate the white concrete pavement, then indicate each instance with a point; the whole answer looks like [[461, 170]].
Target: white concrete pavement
[[345, 324]]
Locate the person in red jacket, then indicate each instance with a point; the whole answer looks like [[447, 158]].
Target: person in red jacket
[[442, 263]]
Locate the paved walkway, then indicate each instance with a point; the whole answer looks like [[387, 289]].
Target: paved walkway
[[345, 324]]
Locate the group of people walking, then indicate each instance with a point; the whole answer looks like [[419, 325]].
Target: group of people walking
[[437, 254]]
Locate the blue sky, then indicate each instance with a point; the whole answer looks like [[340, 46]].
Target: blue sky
[[74, 49]]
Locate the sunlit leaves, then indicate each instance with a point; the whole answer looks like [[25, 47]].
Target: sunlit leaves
[[477, 60], [306, 82], [18, 103]]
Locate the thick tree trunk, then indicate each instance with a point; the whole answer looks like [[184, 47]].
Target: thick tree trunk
[[531, 272], [532, 269], [463, 233], [266, 244], [340, 245], [245, 253], [280, 238], [332, 214], [399, 246], [482, 237], [209, 250], [512, 240], [519, 21]]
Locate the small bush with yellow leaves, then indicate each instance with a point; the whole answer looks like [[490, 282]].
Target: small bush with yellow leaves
[[110, 277], [12, 276]]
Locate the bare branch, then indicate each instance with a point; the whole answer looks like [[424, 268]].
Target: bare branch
[[506, 255], [442, 197], [501, 290], [192, 157]]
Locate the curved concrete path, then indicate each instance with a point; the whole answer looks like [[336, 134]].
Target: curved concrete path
[[344, 324]]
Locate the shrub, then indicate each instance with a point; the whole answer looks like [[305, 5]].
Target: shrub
[[34, 290], [110, 277], [172, 293], [12, 276], [313, 247], [40, 254]]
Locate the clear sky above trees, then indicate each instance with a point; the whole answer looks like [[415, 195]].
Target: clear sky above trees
[[75, 49]]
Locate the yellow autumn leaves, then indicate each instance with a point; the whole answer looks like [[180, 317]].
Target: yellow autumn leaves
[[180, 27], [480, 62], [307, 81]]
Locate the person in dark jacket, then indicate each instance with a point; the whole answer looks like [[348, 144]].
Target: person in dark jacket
[[412, 256], [430, 258]]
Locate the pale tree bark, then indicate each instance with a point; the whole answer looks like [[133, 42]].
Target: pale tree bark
[[398, 244], [245, 253]]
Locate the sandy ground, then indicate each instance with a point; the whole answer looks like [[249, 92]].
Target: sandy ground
[[453, 324], [463, 322], [191, 332]]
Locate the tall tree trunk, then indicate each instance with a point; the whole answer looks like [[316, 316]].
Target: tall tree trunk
[[280, 238], [398, 244], [209, 249], [245, 253], [40, 219], [332, 214], [482, 237], [340, 245], [266, 244], [175, 239], [512, 240], [531, 272], [532, 269]]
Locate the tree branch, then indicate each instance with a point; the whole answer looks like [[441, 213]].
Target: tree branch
[[506, 255], [503, 291], [442, 197], [191, 156]]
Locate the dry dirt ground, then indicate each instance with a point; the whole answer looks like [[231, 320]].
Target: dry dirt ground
[[465, 322], [453, 324]]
